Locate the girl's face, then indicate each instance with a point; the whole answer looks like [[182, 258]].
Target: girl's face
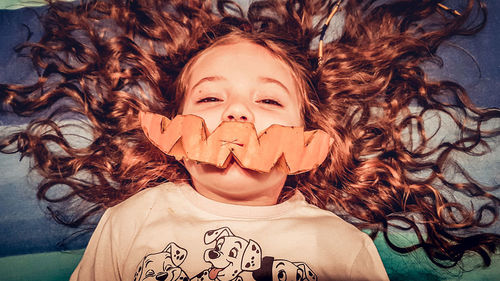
[[240, 82]]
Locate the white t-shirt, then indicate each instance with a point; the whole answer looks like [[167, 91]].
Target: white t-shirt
[[170, 232]]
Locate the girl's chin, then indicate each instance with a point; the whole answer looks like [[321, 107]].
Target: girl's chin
[[235, 184]]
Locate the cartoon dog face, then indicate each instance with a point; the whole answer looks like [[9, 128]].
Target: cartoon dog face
[[231, 254], [163, 266], [283, 270]]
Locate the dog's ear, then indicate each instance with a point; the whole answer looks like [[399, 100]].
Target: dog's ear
[[252, 257], [212, 235], [265, 271], [176, 253], [138, 272], [307, 273]]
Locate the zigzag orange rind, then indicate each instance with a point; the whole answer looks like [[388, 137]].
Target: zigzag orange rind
[[187, 137]]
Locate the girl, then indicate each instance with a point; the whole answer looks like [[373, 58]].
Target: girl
[[103, 64], [235, 80]]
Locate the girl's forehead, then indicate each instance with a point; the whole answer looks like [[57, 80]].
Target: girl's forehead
[[245, 58]]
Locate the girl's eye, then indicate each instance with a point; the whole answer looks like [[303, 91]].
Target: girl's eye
[[208, 99], [271, 102]]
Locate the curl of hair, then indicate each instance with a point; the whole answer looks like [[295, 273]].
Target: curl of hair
[[100, 62]]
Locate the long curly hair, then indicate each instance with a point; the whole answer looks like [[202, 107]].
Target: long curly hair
[[101, 62]]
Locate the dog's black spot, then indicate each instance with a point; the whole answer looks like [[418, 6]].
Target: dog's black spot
[[310, 273], [177, 252], [253, 247], [210, 232], [181, 257], [253, 258], [247, 265]]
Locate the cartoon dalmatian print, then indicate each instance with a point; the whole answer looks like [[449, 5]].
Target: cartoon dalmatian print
[[283, 270], [229, 255], [163, 266]]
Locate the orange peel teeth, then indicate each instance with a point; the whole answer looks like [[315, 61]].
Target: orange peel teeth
[[186, 137]]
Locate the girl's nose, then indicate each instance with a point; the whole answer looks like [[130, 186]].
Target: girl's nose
[[238, 112]]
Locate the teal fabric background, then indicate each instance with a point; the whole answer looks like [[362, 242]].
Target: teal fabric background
[[17, 4]]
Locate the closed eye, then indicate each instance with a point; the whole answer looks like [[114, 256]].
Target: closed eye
[[149, 273], [208, 99], [271, 102]]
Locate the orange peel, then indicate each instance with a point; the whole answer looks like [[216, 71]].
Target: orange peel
[[186, 137]]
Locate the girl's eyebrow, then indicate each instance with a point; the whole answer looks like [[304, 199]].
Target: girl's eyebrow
[[208, 79], [263, 79], [273, 81]]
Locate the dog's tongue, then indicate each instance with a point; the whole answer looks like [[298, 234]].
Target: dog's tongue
[[213, 273]]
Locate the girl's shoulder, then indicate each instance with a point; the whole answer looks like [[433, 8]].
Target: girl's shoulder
[[145, 200], [309, 214]]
